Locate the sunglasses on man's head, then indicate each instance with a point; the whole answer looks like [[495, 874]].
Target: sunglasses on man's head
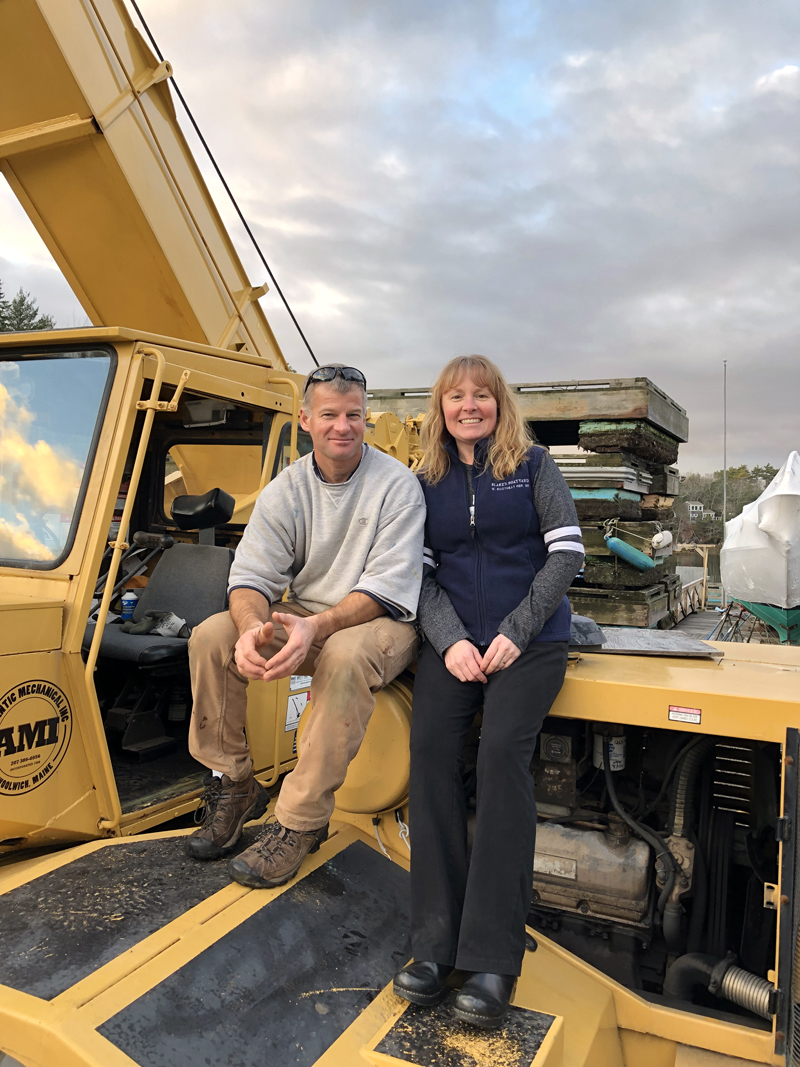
[[327, 374]]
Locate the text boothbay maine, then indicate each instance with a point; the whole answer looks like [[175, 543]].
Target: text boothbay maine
[[35, 731]]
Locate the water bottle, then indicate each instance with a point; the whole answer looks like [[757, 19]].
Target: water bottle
[[129, 601]]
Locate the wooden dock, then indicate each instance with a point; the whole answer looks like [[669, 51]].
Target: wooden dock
[[699, 624]]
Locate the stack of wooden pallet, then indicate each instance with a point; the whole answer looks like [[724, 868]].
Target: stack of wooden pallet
[[624, 481], [616, 442]]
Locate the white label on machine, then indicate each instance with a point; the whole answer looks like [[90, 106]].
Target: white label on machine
[[555, 865], [299, 681], [678, 714], [294, 709], [616, 752]]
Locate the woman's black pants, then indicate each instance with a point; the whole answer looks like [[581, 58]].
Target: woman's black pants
[[471, 913]]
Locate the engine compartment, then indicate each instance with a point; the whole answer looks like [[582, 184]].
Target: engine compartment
[[656, 858]]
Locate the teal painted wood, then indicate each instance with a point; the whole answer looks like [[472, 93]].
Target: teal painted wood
[[785, 620], [604, 494]]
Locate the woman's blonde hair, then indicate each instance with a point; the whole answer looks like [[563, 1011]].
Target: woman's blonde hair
[[510, 441]]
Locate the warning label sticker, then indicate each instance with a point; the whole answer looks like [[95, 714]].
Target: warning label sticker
[[300, 681], [294, 709], [679, 714]]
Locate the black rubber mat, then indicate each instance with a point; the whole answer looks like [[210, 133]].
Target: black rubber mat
[[426, 1036], [279, 989], [58, 928]]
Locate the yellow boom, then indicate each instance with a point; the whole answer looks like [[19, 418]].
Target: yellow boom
[[91, 147]]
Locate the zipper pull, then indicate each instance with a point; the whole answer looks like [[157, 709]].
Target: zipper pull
[[472, 515]]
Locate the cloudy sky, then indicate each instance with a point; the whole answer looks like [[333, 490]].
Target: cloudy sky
[[575, 189]]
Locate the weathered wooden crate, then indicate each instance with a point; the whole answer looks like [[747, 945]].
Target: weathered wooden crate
[[666, 480], [636, 534], [633, 435], [608, 572], [673, 584], [614, 470], [555, 409], [621, 607]]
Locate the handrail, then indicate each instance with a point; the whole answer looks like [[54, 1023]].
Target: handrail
[[271, 380], [251, 498], [150, 407], [276, 768]]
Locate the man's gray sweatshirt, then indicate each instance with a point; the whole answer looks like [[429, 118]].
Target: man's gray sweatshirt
[[324, 540]]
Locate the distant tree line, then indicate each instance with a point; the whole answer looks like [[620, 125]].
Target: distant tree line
[[745, 484], [22, 313]]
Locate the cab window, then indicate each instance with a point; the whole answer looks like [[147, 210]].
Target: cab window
[[51, 411]]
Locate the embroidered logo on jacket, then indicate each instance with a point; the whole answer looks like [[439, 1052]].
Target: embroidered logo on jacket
[[512, 483]]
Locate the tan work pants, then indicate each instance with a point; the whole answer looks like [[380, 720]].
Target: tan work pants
[[347, 669]]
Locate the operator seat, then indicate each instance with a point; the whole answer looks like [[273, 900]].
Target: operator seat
[[189, 580]]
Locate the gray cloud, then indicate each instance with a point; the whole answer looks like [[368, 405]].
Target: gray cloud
[[577, 190], [47, 286]]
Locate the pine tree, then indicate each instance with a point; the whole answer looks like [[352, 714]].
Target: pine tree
[[22, 313]]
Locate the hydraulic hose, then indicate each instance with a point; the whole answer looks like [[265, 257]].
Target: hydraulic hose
[[681, 807], [693, 969], [721, 977], [671, 926], [652, 837], [700, 885], [668, 776]]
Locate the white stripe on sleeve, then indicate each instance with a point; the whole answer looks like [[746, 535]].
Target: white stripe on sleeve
[[562, 531], [567, 546]]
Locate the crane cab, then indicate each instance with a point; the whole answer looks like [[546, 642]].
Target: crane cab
[[104, 429]]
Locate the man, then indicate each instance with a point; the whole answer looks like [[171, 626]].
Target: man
[[342, 527]]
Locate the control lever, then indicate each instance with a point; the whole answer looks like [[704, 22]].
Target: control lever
[[152, 540], [141, 540]]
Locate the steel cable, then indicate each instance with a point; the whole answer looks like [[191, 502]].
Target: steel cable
[[225, 185]]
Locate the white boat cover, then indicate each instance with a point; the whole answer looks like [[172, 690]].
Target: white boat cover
[[760, 560]]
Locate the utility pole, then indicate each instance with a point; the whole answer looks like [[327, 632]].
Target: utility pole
[[724, 445], [724, 459]]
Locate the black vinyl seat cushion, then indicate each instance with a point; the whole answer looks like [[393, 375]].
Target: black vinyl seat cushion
[[145, 650], [189, 580]]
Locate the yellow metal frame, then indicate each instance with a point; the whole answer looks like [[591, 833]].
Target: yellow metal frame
[[602, 1022], [597, 1022], [35, 602]]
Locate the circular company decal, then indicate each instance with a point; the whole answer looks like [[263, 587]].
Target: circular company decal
[[35, 731]]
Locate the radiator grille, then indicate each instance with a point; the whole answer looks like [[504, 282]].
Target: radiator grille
[[733, 780]]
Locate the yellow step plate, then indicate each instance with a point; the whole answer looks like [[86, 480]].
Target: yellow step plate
[[128, 953]]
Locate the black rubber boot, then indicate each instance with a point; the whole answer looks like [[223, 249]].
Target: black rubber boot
[[422, 983], [483, 1000]]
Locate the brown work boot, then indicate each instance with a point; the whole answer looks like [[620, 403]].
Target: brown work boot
[[224, 809], [276, 855]]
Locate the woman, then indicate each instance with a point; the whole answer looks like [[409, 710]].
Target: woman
[[503, 545]]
